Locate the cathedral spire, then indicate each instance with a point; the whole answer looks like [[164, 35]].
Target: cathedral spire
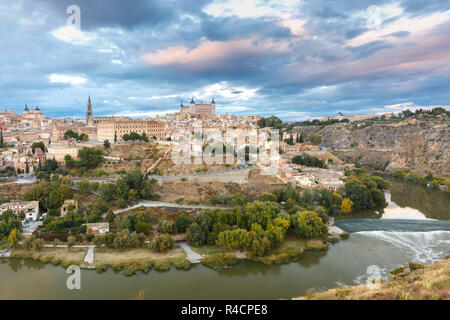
[[89, 117]]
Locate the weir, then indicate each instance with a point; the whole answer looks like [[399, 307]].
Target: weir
[[400, 225]]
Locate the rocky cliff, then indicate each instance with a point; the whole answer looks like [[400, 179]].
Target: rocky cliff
[[420, 145]]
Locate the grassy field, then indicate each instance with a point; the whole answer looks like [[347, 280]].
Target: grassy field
[[111, 256], [429, 283], [75, 255]]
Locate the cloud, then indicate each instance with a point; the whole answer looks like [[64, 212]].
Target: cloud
[[210, 53], [413, 25], [140, 114], [61, 78], [288, 58]]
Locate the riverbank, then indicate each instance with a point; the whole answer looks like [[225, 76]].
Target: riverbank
[[131, 260], [415, 282], [55, 256]]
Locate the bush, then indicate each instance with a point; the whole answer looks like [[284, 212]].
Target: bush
[[101, 267], [67, 263], [220, 261], [280, 256], [182, 264], [162, 243], [181, 223], [344, 236], [309, 161], [118, 266], [56, 261], [309, 225], [129, 270], [162, 265], [46, 259]]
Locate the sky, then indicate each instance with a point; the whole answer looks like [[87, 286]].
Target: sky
[[296, 59]]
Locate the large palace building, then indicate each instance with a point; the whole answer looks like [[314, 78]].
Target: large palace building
[[208, 109], [114, 130]]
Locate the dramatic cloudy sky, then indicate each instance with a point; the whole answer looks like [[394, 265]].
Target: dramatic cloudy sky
[[291, 58]]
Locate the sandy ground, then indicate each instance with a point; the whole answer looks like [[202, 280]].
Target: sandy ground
[[109, 256], [202, 191]]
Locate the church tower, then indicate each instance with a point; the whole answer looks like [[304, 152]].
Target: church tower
[[89, 118]]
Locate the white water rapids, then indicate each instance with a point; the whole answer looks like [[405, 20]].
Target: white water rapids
[[421, 247]]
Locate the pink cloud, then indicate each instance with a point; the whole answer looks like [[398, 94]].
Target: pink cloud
[[208, 53]]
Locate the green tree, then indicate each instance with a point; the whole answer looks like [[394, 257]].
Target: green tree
[[71, 134], [39, 145], [196, 234], [142, 227], [162, 243], [165, 225], [309, 225], [315, 139], [181, 223], [38, 244], [89, 158], [14, 237], [83, 137], [106, 144], [71, 242]]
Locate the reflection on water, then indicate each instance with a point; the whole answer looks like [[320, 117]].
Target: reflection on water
[[434, 204], [393, 211], [408, 201], [345, 262], [310, 258]]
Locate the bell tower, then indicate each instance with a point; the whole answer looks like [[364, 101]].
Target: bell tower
[[89, 117]]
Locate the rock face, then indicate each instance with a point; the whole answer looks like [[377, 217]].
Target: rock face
[[420, 145]]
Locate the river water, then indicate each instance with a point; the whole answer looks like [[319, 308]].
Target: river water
[[345, 263]]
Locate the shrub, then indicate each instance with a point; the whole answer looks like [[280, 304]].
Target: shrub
[[182, 264], [56, 261], [220, 261], [344, 236], [101, 267], [309, 225], [146, 265], [162, 265], [181, 223], [66, 263], [162, 243], [119, 265], [165, 225], [129, 270], [46, 259], [280, 256]]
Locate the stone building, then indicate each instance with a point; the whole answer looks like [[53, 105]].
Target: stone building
[[58, 151], [67, 205], [32, 117], [59, 131], [29, 208], [198, 109], [114, 130]]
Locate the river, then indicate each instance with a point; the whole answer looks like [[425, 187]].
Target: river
[[345, 263]]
